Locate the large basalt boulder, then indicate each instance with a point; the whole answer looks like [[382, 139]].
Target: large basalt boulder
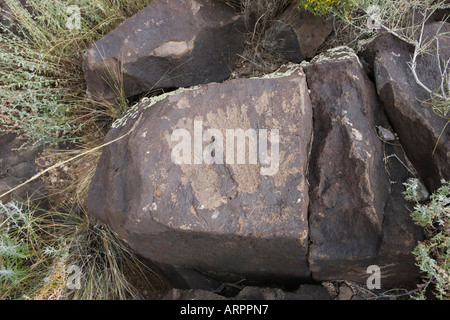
[[168, 44], [171, 191], [407, 104], [353, 207]]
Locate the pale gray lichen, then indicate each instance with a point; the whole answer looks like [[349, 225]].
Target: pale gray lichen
[[146, 103], [156, 99], [338, 53], [289, 70], [132, 113], [362, 44], [304, 64]]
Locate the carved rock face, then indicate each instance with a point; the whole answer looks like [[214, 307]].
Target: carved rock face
[[280, 178], [234, 178], [214, 177]]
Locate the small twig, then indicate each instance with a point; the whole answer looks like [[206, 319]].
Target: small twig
[[251, 61], [394, 155], [439, 65], [387, 295], [396, 34], [406, 293], [229, 285], [256, 24], [417, 45]]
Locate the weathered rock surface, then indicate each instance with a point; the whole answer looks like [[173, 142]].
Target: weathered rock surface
[[186, 278], [17, 166], [304, 292], [299, 34], [168, 44], [405, 102], [352, 205], [250, 221], [234, 215], [196, 294]]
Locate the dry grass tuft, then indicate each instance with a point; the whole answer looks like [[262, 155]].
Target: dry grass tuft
[[260, 53]]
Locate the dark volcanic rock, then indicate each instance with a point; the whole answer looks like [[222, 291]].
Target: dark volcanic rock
[[406, 103], [235, 215], [353, 208], [304, 292], [168, 44], [298, 34]]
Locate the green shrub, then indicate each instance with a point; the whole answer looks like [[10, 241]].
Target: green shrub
[[34, 103], [42, 98], [38, 248], [322, 7], [13, 252], [42, 87], [433, 254]]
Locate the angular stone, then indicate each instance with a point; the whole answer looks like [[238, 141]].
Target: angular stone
[[385, 134], [304, 292], [353, 207], [196, 294], [248, 219], [419, 129], [299, 34], [345, 292], [168, 44], [308, 292]]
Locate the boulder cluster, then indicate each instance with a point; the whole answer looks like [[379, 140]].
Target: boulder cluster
[[291, 177]]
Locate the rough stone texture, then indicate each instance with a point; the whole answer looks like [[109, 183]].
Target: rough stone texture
[[299, 34], [345, 293], [17, 166], [186, 278], [228, 218], [304, 292], [354, 211], [441, 15], [167, 44], [196, 294], [404, 101], [385, 134], [399, 234]]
